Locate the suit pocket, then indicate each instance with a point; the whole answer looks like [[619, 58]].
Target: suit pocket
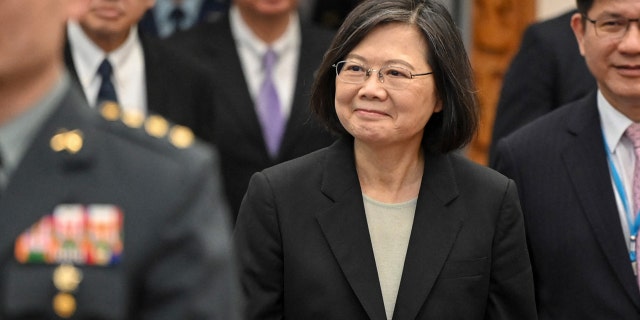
[[464, 268], [28, 292]]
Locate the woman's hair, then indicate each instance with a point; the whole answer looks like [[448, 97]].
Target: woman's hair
[[447, 130]]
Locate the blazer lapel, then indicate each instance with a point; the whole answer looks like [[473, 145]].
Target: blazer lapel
[[435, 228], [42, 179], [345, 227], [234, 104], [156, 97], [586, 163], [300, 111], [71, 67]]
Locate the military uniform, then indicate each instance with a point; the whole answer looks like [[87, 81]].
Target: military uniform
[[101, 221]]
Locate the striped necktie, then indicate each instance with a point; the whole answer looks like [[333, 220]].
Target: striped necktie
[[633, 133]]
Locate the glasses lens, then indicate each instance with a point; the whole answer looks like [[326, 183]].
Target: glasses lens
[[351, 72], [395, 77], [611, 27], [391, 77]]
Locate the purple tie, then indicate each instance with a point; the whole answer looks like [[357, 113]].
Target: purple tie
[[269, 106], [633, 132]]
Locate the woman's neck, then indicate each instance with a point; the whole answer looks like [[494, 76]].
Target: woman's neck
[[389, 174]]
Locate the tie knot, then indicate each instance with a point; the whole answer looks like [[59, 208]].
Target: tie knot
[[269, 59], [633, 132], [177, 15], [105, 69]]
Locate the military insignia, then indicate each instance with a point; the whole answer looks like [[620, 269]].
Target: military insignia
[[66, 277], [181, 136], [133, 119], [64, 305], [110, 111], [74, 234], [156, 126], [70, 141]]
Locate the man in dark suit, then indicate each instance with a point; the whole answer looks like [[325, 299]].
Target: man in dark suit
[[98, 220], [575, 174], [169, 16], [148, 76], [546, 73], [231, 50]]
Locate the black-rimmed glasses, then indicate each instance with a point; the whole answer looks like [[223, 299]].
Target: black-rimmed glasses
[[612, 27], [391, 77]]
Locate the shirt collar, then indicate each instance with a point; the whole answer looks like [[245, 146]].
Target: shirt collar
[[246, 38], [614, 123], [88, 56], [162, 10]]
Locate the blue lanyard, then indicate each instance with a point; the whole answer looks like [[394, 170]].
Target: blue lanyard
[[634, 224]]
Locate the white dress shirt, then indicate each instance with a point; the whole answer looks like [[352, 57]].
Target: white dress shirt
[[128, 68], [622, 153], [251, 50]]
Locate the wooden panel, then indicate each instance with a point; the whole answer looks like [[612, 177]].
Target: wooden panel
[[497, 29]]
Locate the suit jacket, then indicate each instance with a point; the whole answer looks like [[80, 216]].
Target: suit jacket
[[177, 260], [305, 250], [210, 10], [237, 128], [331, 13], [578, 250], [547, 72], [176, 86]]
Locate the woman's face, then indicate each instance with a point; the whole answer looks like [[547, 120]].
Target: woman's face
[[377, 113]]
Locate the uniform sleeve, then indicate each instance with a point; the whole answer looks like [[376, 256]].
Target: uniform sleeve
[[195, 275], [511, 292], [259, 244]]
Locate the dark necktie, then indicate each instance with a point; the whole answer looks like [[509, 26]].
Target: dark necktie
[[269, 110], [107, 91], [177, 17]]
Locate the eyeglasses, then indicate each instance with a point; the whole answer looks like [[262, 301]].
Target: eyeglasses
[[391, 77], [611, 27]]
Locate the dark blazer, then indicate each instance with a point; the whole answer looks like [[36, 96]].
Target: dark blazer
[[305, 250], [237, 128], [578, 250], [331, 13], [547, 72], [177, 260], [210, 11], [176, 86]]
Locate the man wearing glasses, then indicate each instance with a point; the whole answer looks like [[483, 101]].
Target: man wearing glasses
[[578, 174]]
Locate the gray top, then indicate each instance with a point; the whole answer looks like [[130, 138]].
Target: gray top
[[389, 227]]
